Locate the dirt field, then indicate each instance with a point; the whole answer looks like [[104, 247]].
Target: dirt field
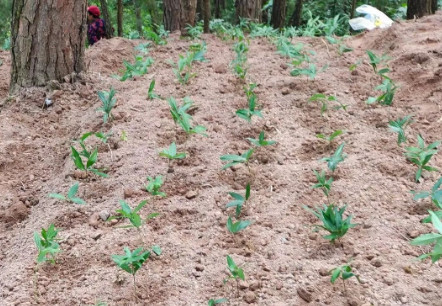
[[284, 261]]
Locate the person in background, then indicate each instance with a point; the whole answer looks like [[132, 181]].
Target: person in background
[[97, 28]]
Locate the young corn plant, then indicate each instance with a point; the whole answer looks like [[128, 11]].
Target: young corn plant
[[132, 215], [376, 60], [158, 39], [341, 46], [172, 154], [183, 70], [237, 159], [91, 159], [329, 138], [239, 201], [214, 302], [138, 68], [241, 49], [236, 273], [261, 142], [247, 114], [183, 119], [324, 100], [310, 72], [154, 186], [109, 100], [388, 88], [436, 198], [333, 221], [47, 244], [70, 197], [323, 183], [398, 126], [151, 95], [336, 158], [421, 155], [344, 272], [236, 227], [194, 32], [430, 239]]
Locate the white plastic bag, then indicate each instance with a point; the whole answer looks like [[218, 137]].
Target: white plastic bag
[[373, 18]]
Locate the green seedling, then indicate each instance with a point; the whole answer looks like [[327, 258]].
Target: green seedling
[[323, 183], [336, 158], [199, 51], [143, 48], [70, 197], [158, 39], [236, 227], [247, 114], [287, 49], [239, 200], [236, 273], [261, 142], [132, 214], [344, 272], [355, 65], [399, 126], [182, 118], [421, 155], [236, 159], [46, 244], [91, 160], [375, 61], [331, 137], [132, 261], [432, 238], [123, 135], [154, 186], [213, 302], [342, 47], [151, 95], [262, 30], [171, 153], [109, 100], [183, 70], [436, 198], [333, 221], [323, 99], [310, 72], [241, 49], [194, 32], [139, 68], [389, 89]]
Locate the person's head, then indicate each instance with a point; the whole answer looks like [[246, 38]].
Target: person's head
[[93, 12]]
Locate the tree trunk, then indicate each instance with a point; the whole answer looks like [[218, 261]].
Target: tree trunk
[[171, 16], [353, 8], [48, 39], [418, 8], [297, 14], [188, 12], [199, 10], [206, 16], [278, 14], [120, 17], [250, 9], [138, 20], [433, 6], [107, 20], [219, 5]]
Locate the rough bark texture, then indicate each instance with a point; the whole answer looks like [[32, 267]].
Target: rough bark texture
[[120, 17], [297, 13], [206, 16], [353, 8], [188, 12], [278, 13], [418, 8], [172, 17], [219, 5], [105, 15], [48, 38], [250, 9]]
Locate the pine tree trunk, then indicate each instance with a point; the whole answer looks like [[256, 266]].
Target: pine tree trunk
[[297, 14], [120, 17], [353, 8], [48, 39], [433, 6], [188, 12], [206, 16], [418, 8], [278, 14], [138, 20], [249, 9], [219, 5], [199, 10], [171, 16], [107, 20]]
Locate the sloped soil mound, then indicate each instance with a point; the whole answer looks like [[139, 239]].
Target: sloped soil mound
[[285, 262]]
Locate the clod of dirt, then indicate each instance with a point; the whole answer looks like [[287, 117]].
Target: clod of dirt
[[221, 69], [250, 297], [376, 262], [324, 272], [15, 213], [104, 215], [304, 294], [199, 268], [191, 194], [78, 174], [130, 193], [94, 220]]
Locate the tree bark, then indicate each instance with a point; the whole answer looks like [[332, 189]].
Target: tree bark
[[188, 12], [297, 14], [433, 6], [120, 17], [138, 20], [206, 16], [250, 9], [278, 14], [199, 9], [48, 39], [172, 15], [353, 8], [107, 20], [418, 8], [219, 5]]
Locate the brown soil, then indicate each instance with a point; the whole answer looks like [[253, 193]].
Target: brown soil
[[284, 261]]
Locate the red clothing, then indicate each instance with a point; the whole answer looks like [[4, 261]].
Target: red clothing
[[96, 31]]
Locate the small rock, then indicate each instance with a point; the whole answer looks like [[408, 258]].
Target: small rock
[[199, 268], [389, 281], [376, 262], [353, 302], [243, 285], [129, 193], [413, 234], [285, 91], [279, 285], [284, 66], [104, 215], [324, 272], [313, 236], [221, 69], [304, 294], [191, 194], [96, 236], [250, 297]]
